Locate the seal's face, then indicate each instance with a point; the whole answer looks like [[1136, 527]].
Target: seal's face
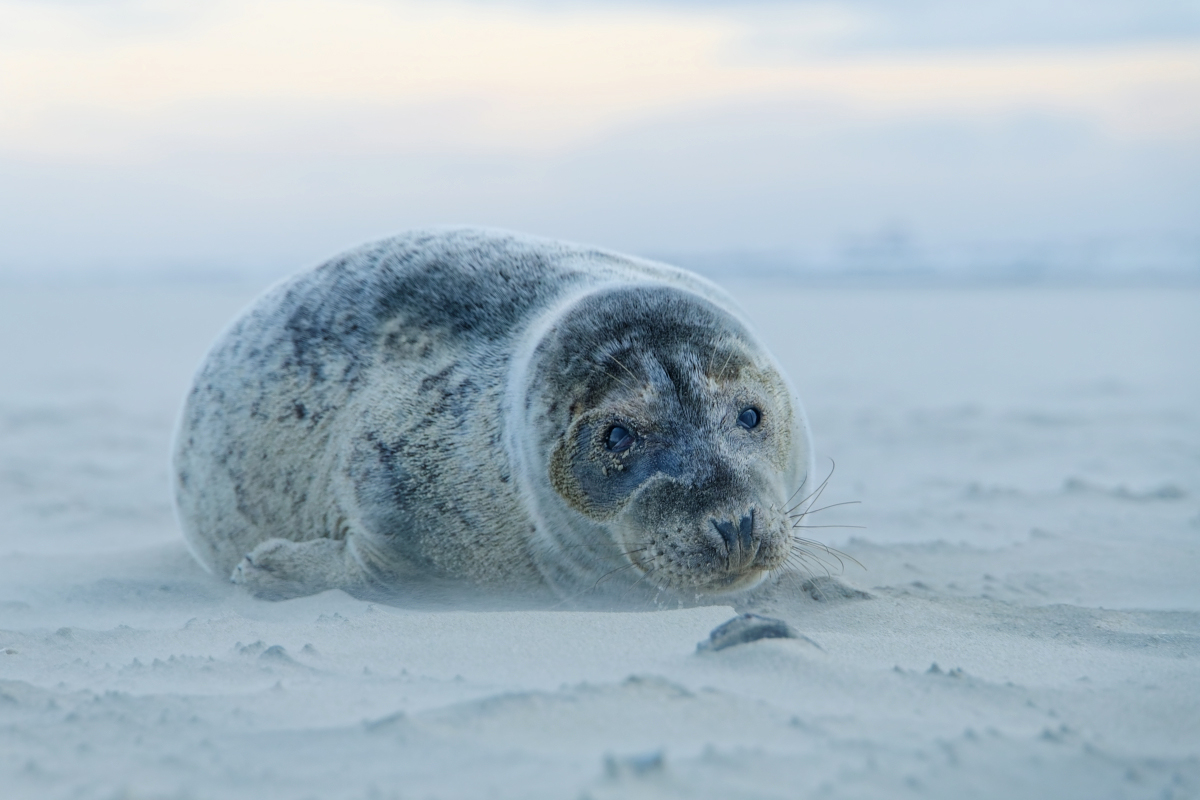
[[679, 437]]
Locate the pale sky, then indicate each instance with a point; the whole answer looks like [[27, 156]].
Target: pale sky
[[265, 135]]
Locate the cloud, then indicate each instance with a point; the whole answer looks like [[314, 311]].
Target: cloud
[[932, 24], [270, 133], [414, 76], [809, 181]]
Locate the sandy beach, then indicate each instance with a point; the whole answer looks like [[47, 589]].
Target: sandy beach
[[1025, 621]]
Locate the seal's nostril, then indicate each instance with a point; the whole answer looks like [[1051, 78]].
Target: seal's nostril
[[728, 533], [736, 538], [746, 530]]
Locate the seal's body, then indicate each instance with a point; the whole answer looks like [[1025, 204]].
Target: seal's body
[[459, 411]]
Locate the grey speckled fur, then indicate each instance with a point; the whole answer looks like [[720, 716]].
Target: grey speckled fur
[[383, 423]]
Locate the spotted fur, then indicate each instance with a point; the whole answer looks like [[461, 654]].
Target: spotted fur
[[423, 415]]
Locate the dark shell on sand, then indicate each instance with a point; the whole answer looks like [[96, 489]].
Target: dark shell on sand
[[746, 628]]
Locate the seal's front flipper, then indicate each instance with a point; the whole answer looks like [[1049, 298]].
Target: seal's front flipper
[[279, 569]]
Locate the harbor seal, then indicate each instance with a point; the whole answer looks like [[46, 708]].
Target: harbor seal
[[466, 412]]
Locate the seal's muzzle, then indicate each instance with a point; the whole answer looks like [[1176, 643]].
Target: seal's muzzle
[[739, 540]]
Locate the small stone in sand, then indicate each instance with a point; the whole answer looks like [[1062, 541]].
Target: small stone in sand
[[746, 628]]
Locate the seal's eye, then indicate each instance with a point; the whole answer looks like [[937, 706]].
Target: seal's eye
[[748, 418], [619, 439]]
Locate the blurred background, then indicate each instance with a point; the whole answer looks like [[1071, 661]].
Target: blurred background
[[1011, 139], [970, 232]]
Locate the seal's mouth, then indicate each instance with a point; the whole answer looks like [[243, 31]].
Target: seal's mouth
[[725, 554], [740, 544]]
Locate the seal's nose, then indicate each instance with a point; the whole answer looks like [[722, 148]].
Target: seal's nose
[[738, 537]]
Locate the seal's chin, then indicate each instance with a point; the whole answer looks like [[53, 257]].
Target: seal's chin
[[732, 583], [709, 583]]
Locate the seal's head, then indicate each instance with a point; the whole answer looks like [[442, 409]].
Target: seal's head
[[670, 440]]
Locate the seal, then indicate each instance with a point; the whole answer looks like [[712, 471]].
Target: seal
[[468, 412]]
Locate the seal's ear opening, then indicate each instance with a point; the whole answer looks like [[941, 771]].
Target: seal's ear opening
[[592, 478], [562, 475]]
